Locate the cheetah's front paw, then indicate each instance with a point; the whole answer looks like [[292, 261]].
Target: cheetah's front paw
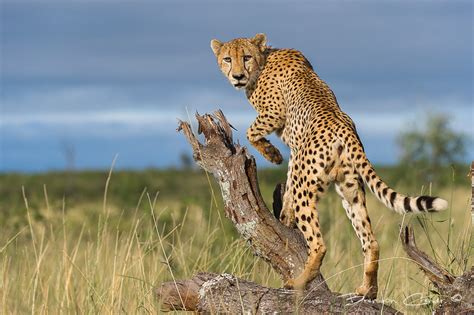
[[271, 153], [268, 150]]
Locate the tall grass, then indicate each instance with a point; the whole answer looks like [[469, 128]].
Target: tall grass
[[98, 256]]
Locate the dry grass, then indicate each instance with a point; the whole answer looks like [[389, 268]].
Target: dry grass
[[66, 262]]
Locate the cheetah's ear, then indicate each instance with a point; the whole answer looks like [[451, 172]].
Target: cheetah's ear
[[216, 46], [260, 40]]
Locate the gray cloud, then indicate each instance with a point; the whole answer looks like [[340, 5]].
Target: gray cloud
[[132, 66]]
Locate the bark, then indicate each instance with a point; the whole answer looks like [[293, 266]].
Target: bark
[[225, 293]]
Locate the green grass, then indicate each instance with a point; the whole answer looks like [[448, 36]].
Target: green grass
[[66, 248]]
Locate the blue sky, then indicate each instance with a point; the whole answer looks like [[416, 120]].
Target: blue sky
[[112, 77]]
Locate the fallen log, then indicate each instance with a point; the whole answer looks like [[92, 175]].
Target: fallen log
[[225, 293]]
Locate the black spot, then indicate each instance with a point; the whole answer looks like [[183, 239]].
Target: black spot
[[429, 202], [406, 204], [303, 228], [393, 195], [419, 205]]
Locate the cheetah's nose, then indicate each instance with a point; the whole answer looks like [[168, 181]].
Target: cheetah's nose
[[238, 76]]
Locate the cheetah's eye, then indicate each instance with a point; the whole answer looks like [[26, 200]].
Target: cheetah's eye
[[247, 57], [227, 59]]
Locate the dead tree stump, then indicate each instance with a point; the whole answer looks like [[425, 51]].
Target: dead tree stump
[[281, 247]]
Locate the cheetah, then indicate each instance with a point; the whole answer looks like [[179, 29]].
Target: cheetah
[[292, 101]]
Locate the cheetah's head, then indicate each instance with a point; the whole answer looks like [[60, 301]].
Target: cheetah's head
[[241, 59]]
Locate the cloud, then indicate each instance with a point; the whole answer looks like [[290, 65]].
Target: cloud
[[115, 75], [142, 41], [109, 111]]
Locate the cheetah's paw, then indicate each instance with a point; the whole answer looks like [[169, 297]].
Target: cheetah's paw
[[272, 154]]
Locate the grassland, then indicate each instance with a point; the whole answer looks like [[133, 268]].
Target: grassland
[[91, 242]]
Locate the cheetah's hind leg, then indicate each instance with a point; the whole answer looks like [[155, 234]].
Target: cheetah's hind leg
[[352, 193], [308, 189], [287, 214]]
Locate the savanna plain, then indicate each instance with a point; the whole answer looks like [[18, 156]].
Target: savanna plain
[[101, 241]]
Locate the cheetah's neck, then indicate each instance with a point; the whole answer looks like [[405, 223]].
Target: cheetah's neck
[[252, 85]]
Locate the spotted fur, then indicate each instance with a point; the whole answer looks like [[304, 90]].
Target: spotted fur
[[292, 101]]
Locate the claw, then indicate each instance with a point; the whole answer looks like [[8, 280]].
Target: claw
[[369, 293], [289, 284], [295, 284]]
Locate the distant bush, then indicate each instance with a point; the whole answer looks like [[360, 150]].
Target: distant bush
[[430, 147]]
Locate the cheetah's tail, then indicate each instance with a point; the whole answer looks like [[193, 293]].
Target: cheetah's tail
[[389, 197]]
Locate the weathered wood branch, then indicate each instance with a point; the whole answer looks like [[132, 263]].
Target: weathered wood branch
[[283, 248], [440, 277], [235, 171], [457, 293]]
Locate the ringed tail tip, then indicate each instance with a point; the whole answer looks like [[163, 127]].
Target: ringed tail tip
[[440, 204]]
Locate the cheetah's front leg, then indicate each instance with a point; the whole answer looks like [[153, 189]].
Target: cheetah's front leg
[[261, 127]]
